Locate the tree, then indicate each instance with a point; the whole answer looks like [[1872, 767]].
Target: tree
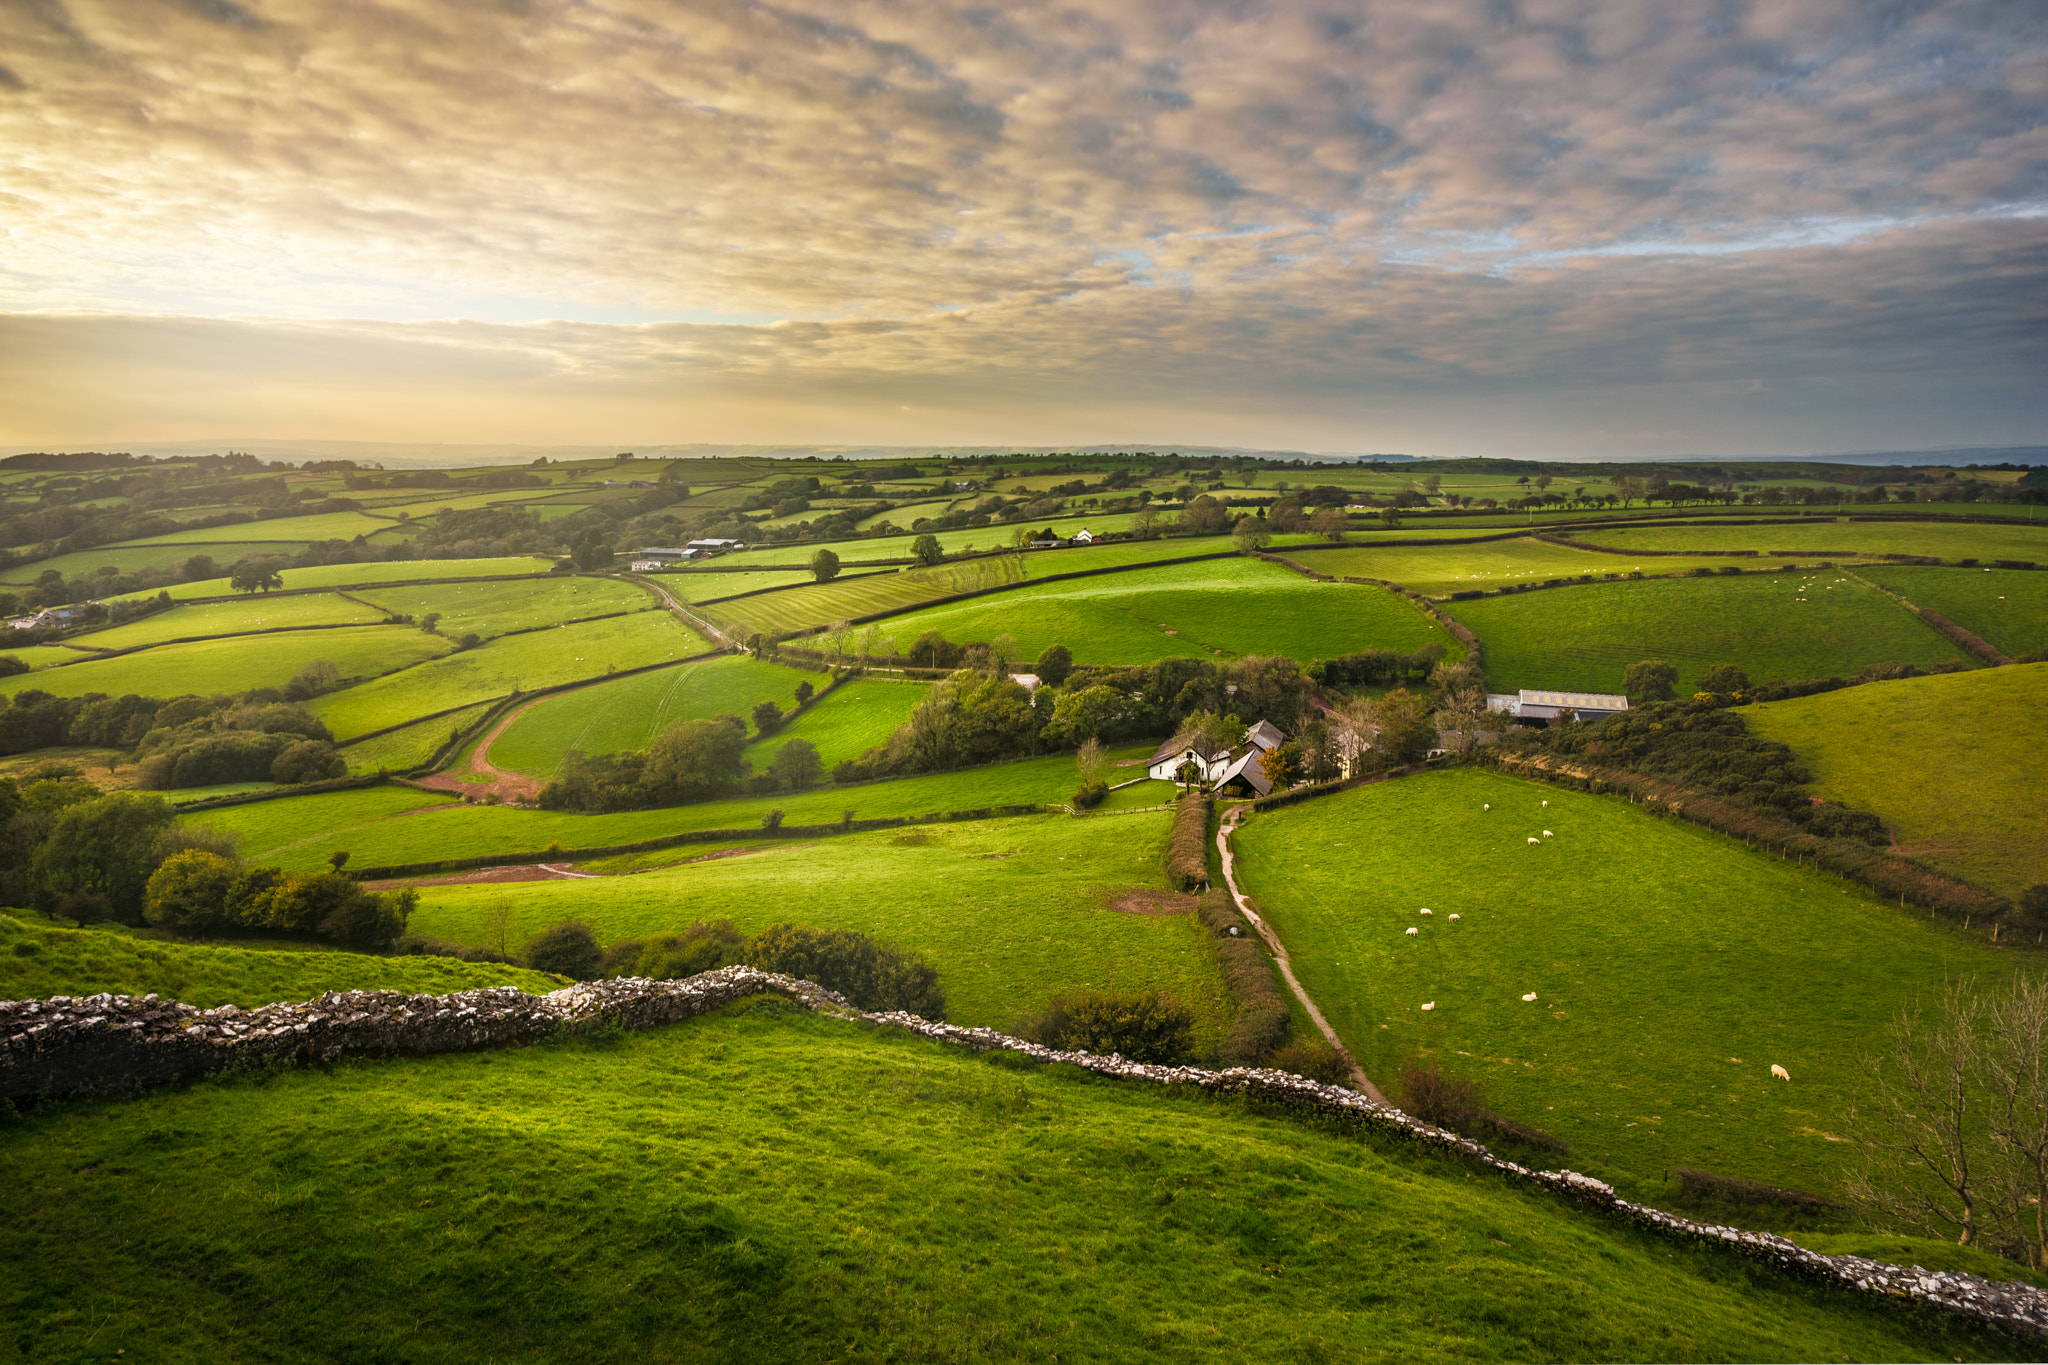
[[1001, 651], [189, 893], [798, 766], [2034, 906], [1390, 517], [102, 850], [804, 692], [592, 552], [252, 575], [1204, 516], [1081, 714], [1460, 717], [338, 859], [927, 551], [309, 760], [1280, 764], [767, 718], [824, 565], [431, 623], [316, 677], [1054, 665], [1330, 524], [1091, 758], [1398, 725], [566, 949], [1251, 535], [198, 567], [1725, 680], [1651, 680], [695, 759]]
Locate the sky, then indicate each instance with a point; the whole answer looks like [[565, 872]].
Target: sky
[[1590, 228]]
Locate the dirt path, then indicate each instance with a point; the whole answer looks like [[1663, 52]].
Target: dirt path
[[684, 614], [506, 786], [1358, 1076]]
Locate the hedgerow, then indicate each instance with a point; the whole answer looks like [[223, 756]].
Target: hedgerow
[[1187, 847]]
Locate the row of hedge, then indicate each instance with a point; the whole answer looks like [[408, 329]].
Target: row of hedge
[[1976, 644], [1258, 1011], [1187, 847]]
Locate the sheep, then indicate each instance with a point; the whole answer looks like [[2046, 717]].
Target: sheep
[[1486, 807], [1780, 1072], [1427, 911], [1430, 1006], [1454, 917], [1548, 835], [1546, 805], [1535, 841], [1529, 997], [1413, 932]]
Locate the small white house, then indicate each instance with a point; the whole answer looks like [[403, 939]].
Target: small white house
[[1084, 536], [1190, 763]]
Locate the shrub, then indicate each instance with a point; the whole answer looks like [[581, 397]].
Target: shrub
[[2034, 905], [10, 665], [566, 949], [1258, 1011], [189, 892], [1187, 847], [672, 957], [1734, 1189], [767, 718], [1445, 1101], [1054, 665], [419, 945], [1142, 1026], [873, 976], [1831, 821], [309, 760], [1089, 795], [1314, 1059]]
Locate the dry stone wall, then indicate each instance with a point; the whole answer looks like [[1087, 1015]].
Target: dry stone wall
[[79, 1047]]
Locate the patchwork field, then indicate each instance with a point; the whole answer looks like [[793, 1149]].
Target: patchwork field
[[1672, 967], [823, 603], [493, 608], [1437, 570], [313, 526], [46, 656], [701, 586], [844, 1187], [208, 666], [538, 659], [410, 746], [1220, 607], [355, 575], [853, 719], [1812, 624], [1875, 747], [133, 558], [1829, 537], [232, 618], [627, 714], [2007, 607]]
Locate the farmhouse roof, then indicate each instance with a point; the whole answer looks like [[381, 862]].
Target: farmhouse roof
[[1247, 766], [1577, 701], [1265, 735], [1173, 749]]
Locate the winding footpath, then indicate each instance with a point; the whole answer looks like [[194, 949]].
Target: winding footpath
[[1244, 907]]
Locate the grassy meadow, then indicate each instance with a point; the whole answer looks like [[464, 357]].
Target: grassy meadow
[[1831, 538], [704, 586], [2007, 607], [1673, 967], [233, 618], [134, 558], [855, 718], [47, 656], [209, 666], [310, 527], [409, 746], [491, 609], [1808, 624], [1874, 747], [38, 960], [610, 717], [1441, 569], [359, 575], [823, 603], [1225, 607], [761, 1185]]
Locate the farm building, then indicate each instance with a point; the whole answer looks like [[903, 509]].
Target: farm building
[[1528, 704], [1188, 763], [1084, 536], [52, 616], [715, 547], [662, 552]]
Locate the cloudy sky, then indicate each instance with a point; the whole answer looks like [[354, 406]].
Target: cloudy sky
[[1586, 227]]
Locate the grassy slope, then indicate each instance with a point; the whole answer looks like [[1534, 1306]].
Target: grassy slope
[[1822, 537], [348, 575], [1585, 637], [1460, 568], [856, 717], [1227, 606], [231, 618], [208, 666], [1011, 912], [38, 961], [131, 559], [538, 659], [844, 599], [629, 713], [408, 747], [2008, 607], [771, 1187], [1660, 952], [491, 609], [1952, 763], [44, 656], [273, 831], [700, 586], [313, 526]]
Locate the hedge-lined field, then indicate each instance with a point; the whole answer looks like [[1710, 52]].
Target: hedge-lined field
[[1011, 912], [1825, 535], [411, 746], [232, 618], [39, 960], [2008, 607], [1659, 953], [538, 659], [272, 831], [1219, 607], [758, 1185], [44, 656], [628, 714], [490, 609], [132, 558], [313, 526], [353, 575], [208, 666], [702, 586], [1875, 748], [823, 603], [1584, 638], [1484, 567], [856, 717]]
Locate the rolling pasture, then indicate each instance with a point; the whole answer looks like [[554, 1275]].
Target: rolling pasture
[[846, 724], [410, 746], [1874, 747], [537, 659], [1441, 569], [134, 558], [491, 609], [702, 586], [823, 603], [1830, 538], [313, 526], [1224, 607], [46, 656], [360, 575], [232, 618], [627, 714], [1672, 967], [209, 666], [730, 1186], [2007, 607], [1807, 624]]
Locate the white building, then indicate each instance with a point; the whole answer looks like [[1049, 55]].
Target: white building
[[1529, 704], [1084, 536], [1192, 763]]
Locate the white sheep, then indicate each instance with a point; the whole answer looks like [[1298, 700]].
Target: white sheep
[[1413, 932], [1530, 996], [1548, 835], [1780, 1072], [1427, 911], [1487, 807], [1535, 841], [1546, 805], [1430, 1006], [1453, 916]]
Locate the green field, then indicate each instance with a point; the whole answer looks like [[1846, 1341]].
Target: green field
[[1011, 912], [1838, 537], [410, 746], [1461, 568], [1952, 763], [823, 603], [528, 662], [353, 575], [133, 559], [767, 1186], [39, 960], [1659, 951], [209, 666], [1583, 638], [701, 586], [274, 831], [313, 526], [610, 717], [2007, 607], [855, 718], [1225, 606], [46, 656], [491, 609], [232, 618]]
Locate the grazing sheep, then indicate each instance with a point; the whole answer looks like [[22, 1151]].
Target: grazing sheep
[[1453, 916], [1535, 841], [1413, 932], [1546, 805], [1486, 807], [1530, 996], [1430, 1006], [1548, 835], [1780, 1072], [1427, 911]]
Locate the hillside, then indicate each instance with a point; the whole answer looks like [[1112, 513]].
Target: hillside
[[768, 1185]]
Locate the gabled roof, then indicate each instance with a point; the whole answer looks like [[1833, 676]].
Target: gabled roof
[[1248, 768], [1265, 735], [1578, 701], [1173, 750]]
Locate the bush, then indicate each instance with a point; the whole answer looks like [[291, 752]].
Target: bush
[[1089, 795], [672, 957], [1831, 821], [1734, 1189], [1140, 1026], [873, 976], [419, 945], [310, 760], [566, 949], [1258, 1010], [2034, 905], [1054, 665], [1187, 847], [10, 665], [1314, 1059], [1445, 1101]]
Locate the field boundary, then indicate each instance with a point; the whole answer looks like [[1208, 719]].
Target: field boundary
[[1976, 644]]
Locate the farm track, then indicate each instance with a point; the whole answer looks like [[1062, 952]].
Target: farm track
[[506, 786]]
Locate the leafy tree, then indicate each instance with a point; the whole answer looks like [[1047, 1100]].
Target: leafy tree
[[767, 718], [1725, 680], [315, 678], [102, 849], [798, 766], [431, 623], [1330, 524], [804, 692], [1251, 535], [1280, 764], [824, 565], [593, 551], [252, 575], [189, 892], [1651, 680], [927, 551], [1401, 727], [1086, 713], [566, 949], [1390, 517], [695, 759], [310, 760], [1054, 665], [1205, 516], [198, 567]]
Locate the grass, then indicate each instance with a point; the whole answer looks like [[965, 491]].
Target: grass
[[299, 832], [313, 526], [1833, 537], [491, 609], [1672, 967], [232, 618], [134, 558], [1011, 912], [45, 656], [356, 575], [1586, 637], [2008, 607], [1223, 607], [841, 600], [1947, 761], [209, 666], [855, 718], [1461, 568], [411, 746], [759, 1185], [627, 714], [702, 586], [37, 961], [527, 662]]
